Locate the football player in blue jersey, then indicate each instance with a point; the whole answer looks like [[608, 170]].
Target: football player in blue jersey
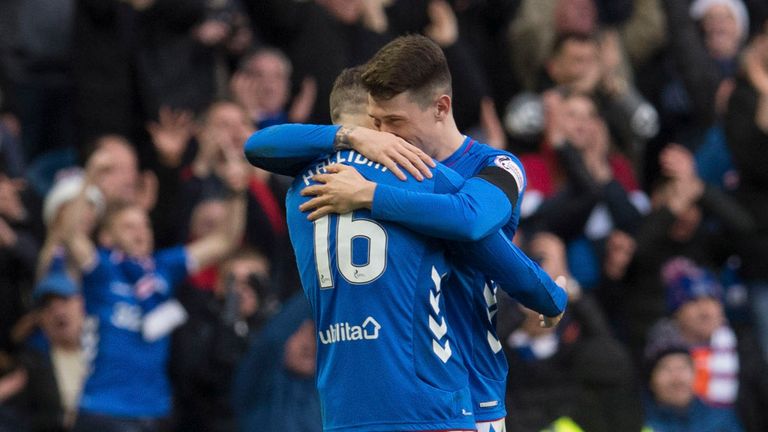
[[128, 289], [280, 150], [387, 352]]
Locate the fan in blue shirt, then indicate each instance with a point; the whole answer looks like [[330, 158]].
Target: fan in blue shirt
[[127, 287]]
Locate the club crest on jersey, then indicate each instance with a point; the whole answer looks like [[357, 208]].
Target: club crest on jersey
[[346, 332], [507, 164]]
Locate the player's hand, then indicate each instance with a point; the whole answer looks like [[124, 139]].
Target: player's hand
[[549, 322], [342, 190], [391, 151]]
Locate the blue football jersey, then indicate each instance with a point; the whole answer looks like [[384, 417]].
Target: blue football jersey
[[387, 356], [475, 326], [127, 374]]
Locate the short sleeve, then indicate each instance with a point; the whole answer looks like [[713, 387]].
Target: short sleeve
[[173, 264]]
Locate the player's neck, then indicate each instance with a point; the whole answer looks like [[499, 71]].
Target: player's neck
[[451, 140]]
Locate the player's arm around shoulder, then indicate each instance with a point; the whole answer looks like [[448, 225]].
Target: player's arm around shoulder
[[287, 148]]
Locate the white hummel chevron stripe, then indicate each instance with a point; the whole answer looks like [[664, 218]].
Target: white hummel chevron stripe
[[490, 296], [493, 342], [494, 426], [490, 314], [442, 352], [438, 330], [436, 279], [434, 300]]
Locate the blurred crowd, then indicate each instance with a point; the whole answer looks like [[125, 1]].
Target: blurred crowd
[[642, 126]]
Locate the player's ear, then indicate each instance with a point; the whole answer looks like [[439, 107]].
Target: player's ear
[[442, 107]]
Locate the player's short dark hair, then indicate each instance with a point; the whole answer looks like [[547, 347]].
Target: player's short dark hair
[[409, 63], [566, 37], [348, 95]]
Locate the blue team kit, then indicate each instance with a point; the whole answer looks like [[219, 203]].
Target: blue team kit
[[127, 375], [451, 316]]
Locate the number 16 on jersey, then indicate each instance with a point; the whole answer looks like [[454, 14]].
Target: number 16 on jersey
[[347, 230]]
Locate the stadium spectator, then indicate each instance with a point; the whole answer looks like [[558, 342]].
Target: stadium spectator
[[18, 252], [129, 289], [13, 379], [577, 370], [595, 66], [208, 347], [692, 82], [580, 188], [120, 182], [705, 41], [729, 370], [675, 227], [56, 365], [275, 382], [616, 257], [262, 86], [533, 32], [330, 35], [226, 126], [746, 128], [672, 404], [64, 191]]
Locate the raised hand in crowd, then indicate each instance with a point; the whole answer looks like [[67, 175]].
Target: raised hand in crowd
[[220, 137], [552, 102], [677, 163], [12, 383], [595, 153], [756, 67], [11, 207], [374, 16], [443, 28], [7, 235], [233, 169], [619, 250], [12, 210], [491, 124], [171, 134], [614, 79], [212, 32], [244, 88], [301, 107]]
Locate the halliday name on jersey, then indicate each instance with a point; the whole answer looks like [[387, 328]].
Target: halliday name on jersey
[[345, 332]]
